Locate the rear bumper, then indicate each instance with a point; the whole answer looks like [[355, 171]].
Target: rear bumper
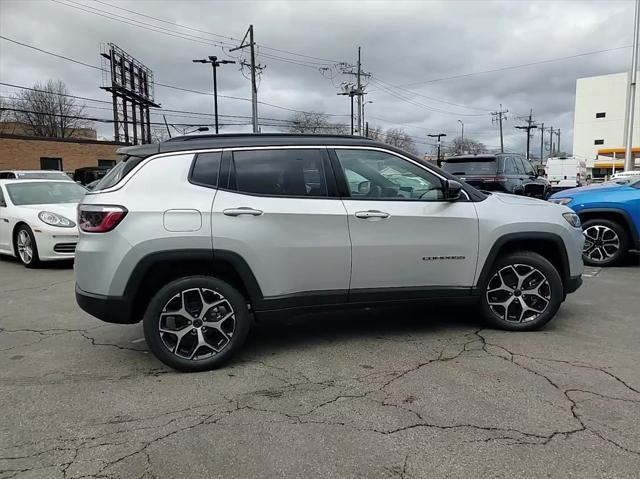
[[111, 309], [573, 284]]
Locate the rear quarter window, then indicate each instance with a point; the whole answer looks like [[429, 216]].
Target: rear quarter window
[[118, 172]]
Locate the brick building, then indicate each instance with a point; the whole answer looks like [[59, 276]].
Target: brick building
[[22, 152]]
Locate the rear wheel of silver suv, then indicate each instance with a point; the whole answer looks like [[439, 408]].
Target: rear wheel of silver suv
[[196, 323], [523, 292]]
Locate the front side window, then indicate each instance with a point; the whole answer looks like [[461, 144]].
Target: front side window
[[286, 172], [528, 169], [374, 174], [45, 193]]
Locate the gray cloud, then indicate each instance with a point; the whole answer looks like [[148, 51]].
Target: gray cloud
[[404, 43]]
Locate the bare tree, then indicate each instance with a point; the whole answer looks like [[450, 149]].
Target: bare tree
[[159, 134], [460, 146], [314, 122], [48, 110], [376, 133], [4, 113], [400, 139]]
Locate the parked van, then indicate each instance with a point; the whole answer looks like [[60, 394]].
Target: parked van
[[566, 172]]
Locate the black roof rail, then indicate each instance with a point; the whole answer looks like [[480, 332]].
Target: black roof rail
[[261, 135]]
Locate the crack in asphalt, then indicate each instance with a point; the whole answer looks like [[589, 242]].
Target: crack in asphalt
[[181, 420]]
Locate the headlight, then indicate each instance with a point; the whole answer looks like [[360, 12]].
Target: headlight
[[54, 219], [573, 219], [561, 201]]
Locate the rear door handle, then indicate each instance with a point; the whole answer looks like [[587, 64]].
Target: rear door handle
[[243, 210], [365, 215]]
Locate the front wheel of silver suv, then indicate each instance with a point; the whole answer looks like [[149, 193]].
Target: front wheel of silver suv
[[196, 323], [523, 292]]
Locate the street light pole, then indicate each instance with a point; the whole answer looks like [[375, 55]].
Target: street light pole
[[629, 160], [438, 136], [215, 63], [462, 123], [363, 122]]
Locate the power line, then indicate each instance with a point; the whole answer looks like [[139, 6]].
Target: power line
[[326, 60], [512, 67], [173, 87]]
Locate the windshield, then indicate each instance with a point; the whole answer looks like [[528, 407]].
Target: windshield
[[45, 193], [479, 167], [42, 175]]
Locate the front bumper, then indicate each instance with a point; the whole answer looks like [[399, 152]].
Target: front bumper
[[111, 309], [573, 284], [56, 244]]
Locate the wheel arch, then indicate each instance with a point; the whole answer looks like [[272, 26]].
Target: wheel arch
[[612, 214], [548, 245], [14, 235], [159, 268]]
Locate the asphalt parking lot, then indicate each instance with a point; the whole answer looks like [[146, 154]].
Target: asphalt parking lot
[[418, 393]]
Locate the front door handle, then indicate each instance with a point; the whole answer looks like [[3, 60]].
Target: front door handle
[[243, 210], [365, 215]]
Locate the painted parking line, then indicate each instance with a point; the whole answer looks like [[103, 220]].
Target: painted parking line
[[139, 340]]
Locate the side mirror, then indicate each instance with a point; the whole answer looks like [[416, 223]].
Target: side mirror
[[452, 190], [364, 187]]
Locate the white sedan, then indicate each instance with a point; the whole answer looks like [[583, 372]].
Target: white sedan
[[37, 219]]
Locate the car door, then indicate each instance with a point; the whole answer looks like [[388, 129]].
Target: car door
[[406, 240], [280, 212], [511, 175]]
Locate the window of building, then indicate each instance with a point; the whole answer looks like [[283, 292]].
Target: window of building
[[205, 169], [598, 142], [279, 172], [107, 163], [47, 163], [602, 114]]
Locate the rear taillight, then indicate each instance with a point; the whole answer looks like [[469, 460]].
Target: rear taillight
[[100, 218]]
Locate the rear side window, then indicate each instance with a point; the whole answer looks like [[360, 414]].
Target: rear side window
[[481, 166], [206, 168], [286, 172], [118, 172], [510, 166]]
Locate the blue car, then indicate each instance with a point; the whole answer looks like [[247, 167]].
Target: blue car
[[610, 215]]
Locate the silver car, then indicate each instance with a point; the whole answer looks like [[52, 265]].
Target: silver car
[[198, 235]]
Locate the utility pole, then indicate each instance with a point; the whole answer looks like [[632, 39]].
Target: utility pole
[[629, 160], [215, 63], [359, 88], [551, 133], [528, 127], [558, 145], [462, 135], [350, 92], [253, 67], [499, 116], [438, 136], [541, 143]]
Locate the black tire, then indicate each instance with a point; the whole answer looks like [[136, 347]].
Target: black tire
[[207, 285], [34, 261], [517, 317], [591, 257]]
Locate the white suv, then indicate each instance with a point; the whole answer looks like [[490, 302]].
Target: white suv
[[198, 235]]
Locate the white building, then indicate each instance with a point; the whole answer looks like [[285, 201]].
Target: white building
[[599, 121]]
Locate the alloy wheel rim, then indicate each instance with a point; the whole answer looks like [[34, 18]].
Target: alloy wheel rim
[[196, 324], [601, 243], [25, 248], [518, 293]]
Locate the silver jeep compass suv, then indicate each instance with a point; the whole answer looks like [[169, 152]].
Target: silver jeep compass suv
[[198, 235]]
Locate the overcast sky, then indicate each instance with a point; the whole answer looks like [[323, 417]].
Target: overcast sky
[[414, 48]]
